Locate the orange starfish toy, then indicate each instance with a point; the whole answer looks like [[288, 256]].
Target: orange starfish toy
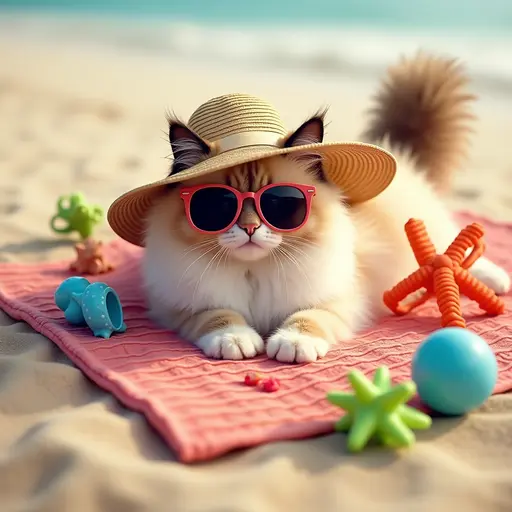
[[89, 258], [444, 276]]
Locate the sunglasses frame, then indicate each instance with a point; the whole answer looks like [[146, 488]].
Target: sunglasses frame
[[186, 193]]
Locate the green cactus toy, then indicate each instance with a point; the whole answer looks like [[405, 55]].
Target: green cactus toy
[[77, 215]]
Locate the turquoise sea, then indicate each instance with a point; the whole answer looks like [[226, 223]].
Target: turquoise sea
[[481, 15], [332, 35]]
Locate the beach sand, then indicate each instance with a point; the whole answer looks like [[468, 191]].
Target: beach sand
[[82, 119]]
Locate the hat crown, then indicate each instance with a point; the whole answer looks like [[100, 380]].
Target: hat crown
[[232, 114]]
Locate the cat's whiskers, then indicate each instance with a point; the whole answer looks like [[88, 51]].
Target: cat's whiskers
[[223, 258], [293, 247], [299, 266], [280, 266], [203, 244], [219, 258], [301, 240], [195, 261], [217, 255]]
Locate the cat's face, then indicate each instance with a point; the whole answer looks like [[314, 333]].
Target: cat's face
[[250, 238]]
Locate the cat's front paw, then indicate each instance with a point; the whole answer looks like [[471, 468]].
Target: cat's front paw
[[233, 342], [291, 346]]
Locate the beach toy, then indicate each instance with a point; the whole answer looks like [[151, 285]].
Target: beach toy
[[455, 371], [377, 409], [444, 276], [269, 385], [89, 258], [253, 379], [77, 216], [95, 305]]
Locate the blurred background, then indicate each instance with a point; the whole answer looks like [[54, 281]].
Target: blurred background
[[85, 84], [331, 35]]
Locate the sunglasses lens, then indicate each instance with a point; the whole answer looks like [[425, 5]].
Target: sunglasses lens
[[284, 207], [213, 208]]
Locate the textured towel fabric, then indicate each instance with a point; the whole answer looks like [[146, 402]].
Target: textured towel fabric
[[200, 406]]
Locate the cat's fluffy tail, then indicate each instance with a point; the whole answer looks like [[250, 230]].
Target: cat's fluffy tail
[[423, 110]]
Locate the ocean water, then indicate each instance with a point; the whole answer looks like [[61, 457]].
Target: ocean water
[[323, 35], [474, 14]]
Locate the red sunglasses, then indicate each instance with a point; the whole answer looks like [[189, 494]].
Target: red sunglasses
[[214, 209]]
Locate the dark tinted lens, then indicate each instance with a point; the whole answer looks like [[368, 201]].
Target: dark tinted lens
[[283, 207], [213, 209]]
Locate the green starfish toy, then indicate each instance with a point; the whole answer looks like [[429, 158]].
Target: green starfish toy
[[378, 409], [77, 215]]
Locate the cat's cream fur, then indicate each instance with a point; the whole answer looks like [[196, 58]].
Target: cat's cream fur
[[305, 291]]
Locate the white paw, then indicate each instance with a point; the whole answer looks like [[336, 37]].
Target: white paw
[[491, 275], [289, 346], [234, 342]]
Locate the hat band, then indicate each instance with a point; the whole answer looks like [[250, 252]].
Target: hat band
[[247, 139]]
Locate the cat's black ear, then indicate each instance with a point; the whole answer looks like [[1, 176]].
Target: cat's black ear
[[309, 132], [188, 149]]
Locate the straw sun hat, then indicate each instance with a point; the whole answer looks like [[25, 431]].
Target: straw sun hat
[[244, 129]]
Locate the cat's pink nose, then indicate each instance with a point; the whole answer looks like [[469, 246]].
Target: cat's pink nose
[[249, 228]]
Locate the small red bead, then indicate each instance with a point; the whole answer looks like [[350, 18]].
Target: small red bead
[[270, 385], [252, 379]]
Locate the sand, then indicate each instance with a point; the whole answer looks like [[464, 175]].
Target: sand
[[80, 119]]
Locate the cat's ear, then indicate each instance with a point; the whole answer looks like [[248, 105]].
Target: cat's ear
[[309, 132], [188, 149]]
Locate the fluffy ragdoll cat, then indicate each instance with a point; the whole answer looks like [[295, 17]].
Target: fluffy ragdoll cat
[[295, 295]]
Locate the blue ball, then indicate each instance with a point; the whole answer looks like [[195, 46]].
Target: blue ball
[[455, 371]]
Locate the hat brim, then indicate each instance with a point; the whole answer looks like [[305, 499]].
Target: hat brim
[[362, 171]]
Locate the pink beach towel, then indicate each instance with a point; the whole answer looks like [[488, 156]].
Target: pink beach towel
[[200, 406]]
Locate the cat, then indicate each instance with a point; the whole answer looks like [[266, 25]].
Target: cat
[[295, 295]]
